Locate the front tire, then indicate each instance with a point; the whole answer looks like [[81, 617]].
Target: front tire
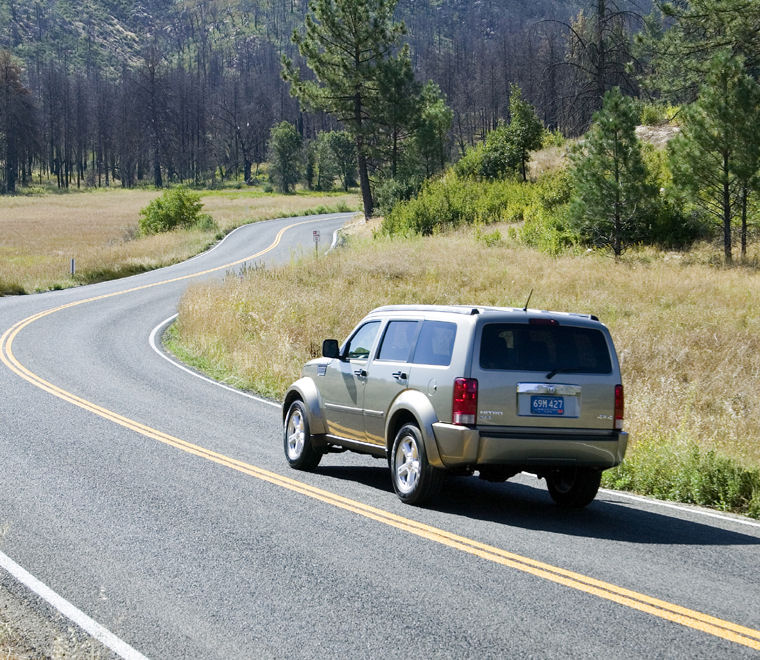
[[414, 479], [573, 488], [299, 448]]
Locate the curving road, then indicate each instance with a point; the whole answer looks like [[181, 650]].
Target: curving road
[[160, 505]]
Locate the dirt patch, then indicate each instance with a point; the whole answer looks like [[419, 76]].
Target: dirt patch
[[31, 629], [659, 136]]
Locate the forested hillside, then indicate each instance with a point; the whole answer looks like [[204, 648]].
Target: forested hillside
[[170, 90]]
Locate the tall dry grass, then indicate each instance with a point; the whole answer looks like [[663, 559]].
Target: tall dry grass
[[39, 235], [688, 335]]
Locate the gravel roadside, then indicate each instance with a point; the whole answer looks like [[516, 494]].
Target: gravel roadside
[[30, 628]]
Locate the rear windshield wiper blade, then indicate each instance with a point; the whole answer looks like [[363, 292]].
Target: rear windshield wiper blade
[[562, 370]]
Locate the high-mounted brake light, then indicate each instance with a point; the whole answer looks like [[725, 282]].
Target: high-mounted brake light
[[543, 322], [619, 407], [465, 404]]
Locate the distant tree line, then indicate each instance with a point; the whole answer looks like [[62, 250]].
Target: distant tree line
[[158, 91]]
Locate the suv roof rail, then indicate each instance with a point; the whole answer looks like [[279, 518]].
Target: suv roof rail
[[469, 310], [454, 309]]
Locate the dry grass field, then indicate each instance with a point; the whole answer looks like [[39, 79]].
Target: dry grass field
[[688, 334], [40, 234]]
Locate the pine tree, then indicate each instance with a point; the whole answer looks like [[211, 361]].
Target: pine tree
[[16, 120], [432, 128], [399, 106], [525, 128], [345, 44], [285, 145], [710, 154], [746, 164], [612, 196], [697, 30]]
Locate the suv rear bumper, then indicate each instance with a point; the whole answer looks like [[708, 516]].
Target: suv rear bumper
[[534, 447]]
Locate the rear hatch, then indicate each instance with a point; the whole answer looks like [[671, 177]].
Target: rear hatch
[[545, 373]]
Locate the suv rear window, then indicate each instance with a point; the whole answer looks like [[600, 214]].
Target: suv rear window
[[523, 347]]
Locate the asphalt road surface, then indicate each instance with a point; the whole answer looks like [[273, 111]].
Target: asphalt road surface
[[161, 506]]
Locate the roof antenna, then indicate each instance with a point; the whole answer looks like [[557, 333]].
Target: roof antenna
[[525, 309]]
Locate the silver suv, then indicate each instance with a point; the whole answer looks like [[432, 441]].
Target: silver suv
[[457, 389]]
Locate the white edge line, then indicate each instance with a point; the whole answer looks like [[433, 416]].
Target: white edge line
[[670, 505], [327, 216], [678, 507], [89, 625], [153, 344]]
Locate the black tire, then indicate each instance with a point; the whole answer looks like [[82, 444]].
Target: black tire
[[299, 449], [414, 479], [573, 488]]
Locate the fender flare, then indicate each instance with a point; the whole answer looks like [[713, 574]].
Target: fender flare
[[415, 404], [306, 390]]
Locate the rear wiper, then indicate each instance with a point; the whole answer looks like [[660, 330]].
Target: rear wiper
[[563, 370]]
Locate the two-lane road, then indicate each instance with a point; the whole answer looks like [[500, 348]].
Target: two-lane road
[[161, 506]]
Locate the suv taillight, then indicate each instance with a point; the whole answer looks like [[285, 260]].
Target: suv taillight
[[619, 407], [465, 405]]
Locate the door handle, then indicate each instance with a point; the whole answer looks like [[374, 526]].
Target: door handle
[[399, 375], [362, 373]]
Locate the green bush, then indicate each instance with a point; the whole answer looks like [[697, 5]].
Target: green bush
[[176, 208], [671, 469], [452, 201], [653, 114], [548, 230], [489, 239], [471, 164], [392, 191], [553, 139]]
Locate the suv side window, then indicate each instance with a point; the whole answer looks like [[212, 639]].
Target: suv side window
[[436, 343], [398, 341], [360, 344]]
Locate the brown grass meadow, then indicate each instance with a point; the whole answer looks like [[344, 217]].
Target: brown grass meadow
[[40, 234], [687, 334]]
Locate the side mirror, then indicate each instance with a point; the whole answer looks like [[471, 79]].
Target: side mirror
[[330, 348]]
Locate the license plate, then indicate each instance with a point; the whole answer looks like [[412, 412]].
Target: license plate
[[547, 405]]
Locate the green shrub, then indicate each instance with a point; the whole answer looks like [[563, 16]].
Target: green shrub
[[489, 239], [452, 201], [553, 139], [392, 191], [176, 208], [549, 231], [11, 288], [653, 114], [471, 164], [673, 469]]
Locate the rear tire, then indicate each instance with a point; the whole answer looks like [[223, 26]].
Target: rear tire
[[297, 442], [414, 479], [573, 488]]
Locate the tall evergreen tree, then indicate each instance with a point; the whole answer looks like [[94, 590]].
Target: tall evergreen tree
[[696, 31], [433, 128], [746, 164], [612, 195], [525, 128], [345, 44], [16, 120], [285, 146], [704, 157], [399, 106]]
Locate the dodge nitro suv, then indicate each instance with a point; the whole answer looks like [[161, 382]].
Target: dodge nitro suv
[[465, 390]]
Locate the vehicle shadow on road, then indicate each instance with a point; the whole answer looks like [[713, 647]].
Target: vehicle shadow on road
[[530, 507]]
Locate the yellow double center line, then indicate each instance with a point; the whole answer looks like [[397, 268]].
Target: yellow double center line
[[637, 601]]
